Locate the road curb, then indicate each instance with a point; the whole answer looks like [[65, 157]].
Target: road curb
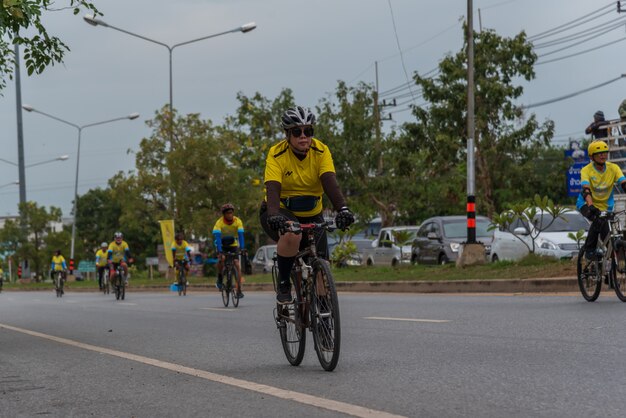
[[547, 285]]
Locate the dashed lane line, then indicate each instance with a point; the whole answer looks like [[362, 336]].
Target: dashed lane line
[[290, 395], [382, 318]]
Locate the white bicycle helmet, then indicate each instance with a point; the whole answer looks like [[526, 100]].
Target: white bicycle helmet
[[104, 244], [297, 116]]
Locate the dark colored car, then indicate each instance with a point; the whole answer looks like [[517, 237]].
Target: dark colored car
[[439, 238]]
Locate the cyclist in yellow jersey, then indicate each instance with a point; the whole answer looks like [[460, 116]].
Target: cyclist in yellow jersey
[[118, 254], [228, 234], [58, 265], [298, 171], [181, 251], [101, 262], [597, 180]]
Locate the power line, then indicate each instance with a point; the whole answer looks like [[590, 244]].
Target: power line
[[395, 31], [620, 20], [579, 42], [567, 96], [553, 31], [581, 52]]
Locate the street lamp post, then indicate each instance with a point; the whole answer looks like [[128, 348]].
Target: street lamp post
[[80, 128], [59, 158], [170, 48], [13, 183]]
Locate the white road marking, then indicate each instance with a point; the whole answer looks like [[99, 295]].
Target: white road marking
[[218, 309], [71, 301], [382, 318], [126, 303], [290, 395]]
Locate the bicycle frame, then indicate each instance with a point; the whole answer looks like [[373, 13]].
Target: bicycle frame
[[607, 245]]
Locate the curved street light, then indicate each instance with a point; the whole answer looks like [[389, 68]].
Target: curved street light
[[80, 128], [13, 183], [59, 158], [170, 48]]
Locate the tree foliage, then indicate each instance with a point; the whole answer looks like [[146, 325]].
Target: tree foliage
[[21, 23]]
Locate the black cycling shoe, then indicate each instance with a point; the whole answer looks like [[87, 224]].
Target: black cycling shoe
[[240, 295], [284, 296]]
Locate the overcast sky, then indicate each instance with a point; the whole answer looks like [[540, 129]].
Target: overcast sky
[[304, 45]]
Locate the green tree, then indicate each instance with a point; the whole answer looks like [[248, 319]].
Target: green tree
[[28, 237], [508, 142], [22, 22]]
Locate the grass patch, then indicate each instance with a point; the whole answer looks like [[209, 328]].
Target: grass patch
[[530, 267]]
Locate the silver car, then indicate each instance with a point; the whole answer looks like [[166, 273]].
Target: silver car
[[263, 259], [439, 239]]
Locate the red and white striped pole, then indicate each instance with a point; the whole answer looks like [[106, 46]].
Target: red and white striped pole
[[471, 197]]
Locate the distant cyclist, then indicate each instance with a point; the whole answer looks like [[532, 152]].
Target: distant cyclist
[[181, 251], [228, 234], [101, 262], [118, 254], [298, 171], [58, 265], [597, 180]]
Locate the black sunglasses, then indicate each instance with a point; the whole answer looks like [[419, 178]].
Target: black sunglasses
[[296, 132]]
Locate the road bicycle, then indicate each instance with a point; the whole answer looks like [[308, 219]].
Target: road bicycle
[[230, 279], [119, 283], [314, 303], [181, 278], [609, 263], [59, 280]]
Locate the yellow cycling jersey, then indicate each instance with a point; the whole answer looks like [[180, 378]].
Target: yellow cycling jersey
[[101, 258], [601, 184], [299, 178], [229, 230], [181, 250], [118, 251], [58, 261]]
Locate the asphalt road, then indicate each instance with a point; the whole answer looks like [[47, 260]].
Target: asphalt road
[[161, 355]]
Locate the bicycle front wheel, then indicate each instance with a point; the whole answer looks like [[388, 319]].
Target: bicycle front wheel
[[325, 323], [589, 277], [181, 278], [291, 328], [618, 272], [234, 288], [227, 275]]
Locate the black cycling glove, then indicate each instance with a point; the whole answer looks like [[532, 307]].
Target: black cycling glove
[[276, 222], [344, 218], [591, 213]]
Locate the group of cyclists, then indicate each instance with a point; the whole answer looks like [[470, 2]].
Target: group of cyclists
[[108, 257], [299, 170]]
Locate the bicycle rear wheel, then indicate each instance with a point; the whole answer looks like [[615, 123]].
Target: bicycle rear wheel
[[589, 277], [618, 272], [325, 323], [226, 287], [291, 328]]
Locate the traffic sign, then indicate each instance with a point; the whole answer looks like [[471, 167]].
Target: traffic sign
[[86, 266]]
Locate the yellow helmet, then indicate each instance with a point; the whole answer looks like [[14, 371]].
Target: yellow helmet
[[597, 147]]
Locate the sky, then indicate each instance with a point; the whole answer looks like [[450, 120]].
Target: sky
[[306, 46]]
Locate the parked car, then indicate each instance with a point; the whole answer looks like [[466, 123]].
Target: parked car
[[439, 238], [384, 250], [551, 242], [262, 261]]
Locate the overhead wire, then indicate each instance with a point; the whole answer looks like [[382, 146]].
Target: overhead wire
[[581, 52], [568, 96], [615, 23], [579, 42], [393, 20], [554, 30]]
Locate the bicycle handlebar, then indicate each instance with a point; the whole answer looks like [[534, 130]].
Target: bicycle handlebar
[[297, 227]]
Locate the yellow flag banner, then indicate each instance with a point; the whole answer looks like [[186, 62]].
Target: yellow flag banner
[[167, 231]]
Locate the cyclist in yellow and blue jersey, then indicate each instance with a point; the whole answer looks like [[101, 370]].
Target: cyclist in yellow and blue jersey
[[101, 262], [58, 265], [181, 251], [597, 180], [118, 254], [228, 235], [298, 171]]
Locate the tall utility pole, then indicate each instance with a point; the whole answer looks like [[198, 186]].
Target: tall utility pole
[[20, 130], [471, 197], [377, 120]]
